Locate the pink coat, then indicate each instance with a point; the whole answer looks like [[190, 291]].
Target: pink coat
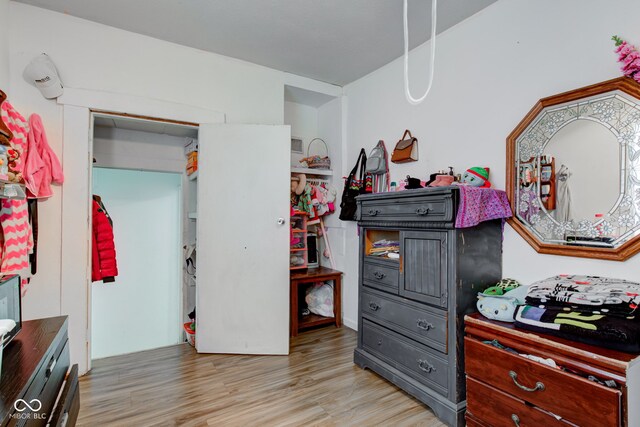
[[42, 166]]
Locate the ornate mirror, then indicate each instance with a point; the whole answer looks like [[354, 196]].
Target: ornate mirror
[[573, 172]]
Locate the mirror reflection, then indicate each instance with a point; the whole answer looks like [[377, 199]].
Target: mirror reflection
[[577, 180], [586, 166]]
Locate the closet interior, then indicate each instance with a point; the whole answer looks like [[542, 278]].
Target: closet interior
[[140, 167], [317, 240], [145, 146], [315, 117], [214, 290]]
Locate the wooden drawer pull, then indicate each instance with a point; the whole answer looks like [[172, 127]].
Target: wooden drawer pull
[[422, 211], [373, 306], [426, 366], [424, 325], [516, 420], [379, 274], [373, 212], [514, 377]]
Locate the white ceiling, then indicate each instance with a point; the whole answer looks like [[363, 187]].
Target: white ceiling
[[336, 41]]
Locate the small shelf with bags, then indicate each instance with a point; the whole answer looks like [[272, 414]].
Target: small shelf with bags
[[298, 258]]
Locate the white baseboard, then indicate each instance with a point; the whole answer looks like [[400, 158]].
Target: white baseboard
[[351, 324]]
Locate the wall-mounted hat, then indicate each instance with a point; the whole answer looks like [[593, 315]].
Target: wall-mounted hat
[[41, 72]]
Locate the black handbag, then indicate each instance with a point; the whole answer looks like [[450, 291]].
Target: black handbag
[[353, 187]]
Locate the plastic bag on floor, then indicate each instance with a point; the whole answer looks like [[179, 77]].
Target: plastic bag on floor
[[319, 299]]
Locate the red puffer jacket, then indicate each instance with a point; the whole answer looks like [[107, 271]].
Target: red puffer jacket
[[103, 250]]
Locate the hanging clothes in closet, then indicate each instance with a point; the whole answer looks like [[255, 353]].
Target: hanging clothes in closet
[[41, 166], [17, 239], [34, 163], [19, 126], [317, 199], [103, 249]]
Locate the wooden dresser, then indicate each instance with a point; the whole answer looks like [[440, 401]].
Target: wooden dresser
[[411, 306], [34, 367], [506, 389]]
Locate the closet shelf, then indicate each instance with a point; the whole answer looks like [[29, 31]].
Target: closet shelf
[[309, 171], [193, 176], [193, 215]]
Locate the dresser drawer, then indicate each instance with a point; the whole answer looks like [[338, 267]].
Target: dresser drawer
[[406, 355], [543, 386], [472, 421], [380, 276], [46, 384], [68, 407], [419, 322], [425, 208], [495, 408]]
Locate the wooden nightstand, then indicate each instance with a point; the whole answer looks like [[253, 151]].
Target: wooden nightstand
[[313, 275]]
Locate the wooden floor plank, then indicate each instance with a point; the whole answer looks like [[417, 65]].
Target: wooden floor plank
[[316, 385]]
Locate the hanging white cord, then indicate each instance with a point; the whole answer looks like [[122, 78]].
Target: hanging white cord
[[407, 92]]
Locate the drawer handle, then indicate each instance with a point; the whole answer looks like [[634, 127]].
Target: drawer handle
[[52, 364], [424, 325], [373, 306], [516, 420], [426, 366], [380, 341], [373, 212], [379, 275], [422, 211], [514, 377]]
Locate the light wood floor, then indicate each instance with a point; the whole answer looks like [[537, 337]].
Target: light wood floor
[[316, 385]]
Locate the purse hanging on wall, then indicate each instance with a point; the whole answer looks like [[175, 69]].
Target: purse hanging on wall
[[406, 149], [378, 168], [353, 187]]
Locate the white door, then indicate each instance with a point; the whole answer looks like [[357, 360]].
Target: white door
[[242, 290]]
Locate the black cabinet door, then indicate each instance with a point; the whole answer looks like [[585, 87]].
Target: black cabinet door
[[423, 270]]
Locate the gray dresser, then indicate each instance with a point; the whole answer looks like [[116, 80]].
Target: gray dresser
[[411, 305]]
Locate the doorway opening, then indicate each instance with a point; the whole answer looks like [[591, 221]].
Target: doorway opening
[[139, 175]]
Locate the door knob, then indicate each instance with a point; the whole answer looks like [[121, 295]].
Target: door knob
[[280, 221]]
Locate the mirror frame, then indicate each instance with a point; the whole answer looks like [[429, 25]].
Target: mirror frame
[[621, 253]]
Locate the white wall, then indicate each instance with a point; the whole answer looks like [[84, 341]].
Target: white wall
[[100, 58], [128, 149], [303, 120], [490, 70], [330, 128], [141, 310], [4, 47]]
